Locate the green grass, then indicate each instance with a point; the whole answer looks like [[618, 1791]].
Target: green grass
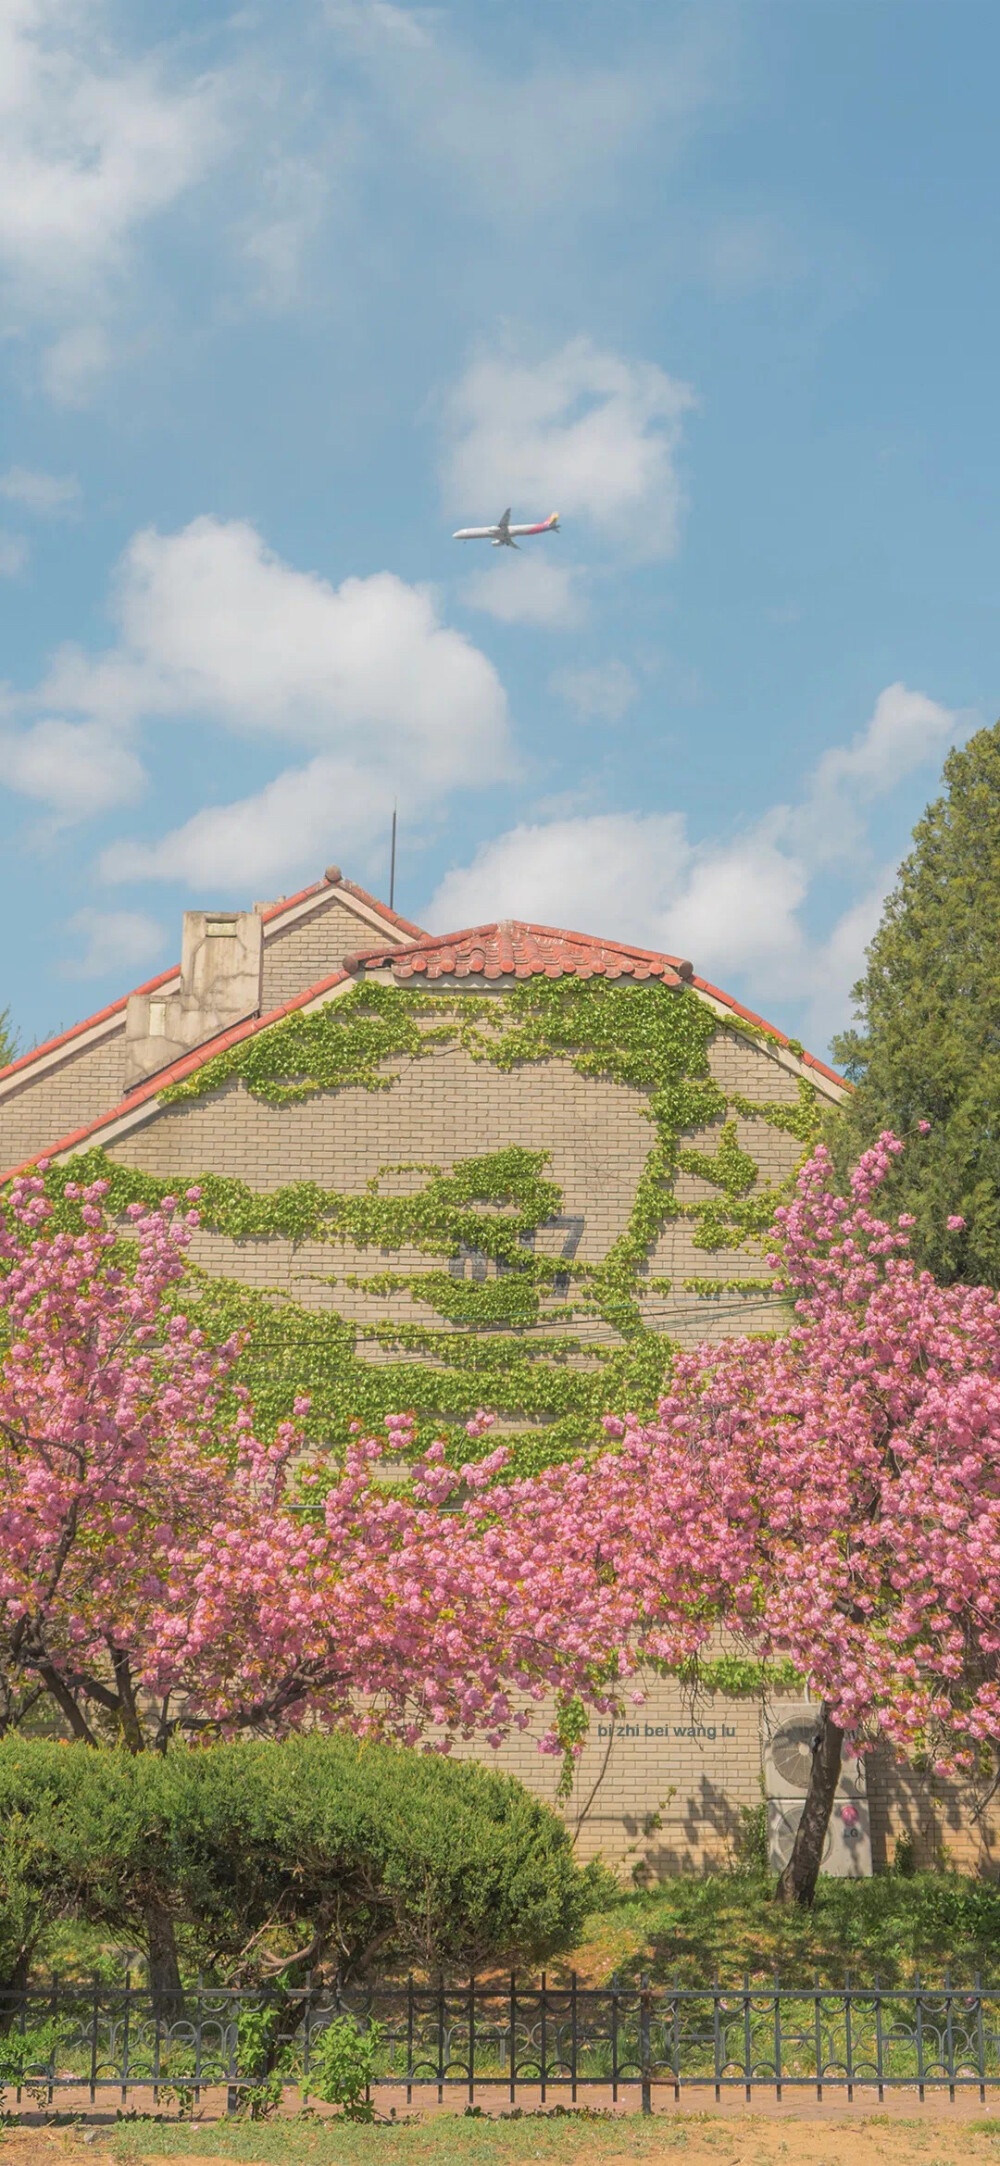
[[894, 1927], [446, 2140]]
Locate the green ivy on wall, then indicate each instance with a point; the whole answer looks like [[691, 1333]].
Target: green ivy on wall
[[491, 1346]]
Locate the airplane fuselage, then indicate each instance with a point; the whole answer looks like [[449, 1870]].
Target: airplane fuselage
[[503, 535]]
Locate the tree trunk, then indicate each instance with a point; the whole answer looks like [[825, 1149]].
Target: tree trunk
[[15, 1982], [164, 1968], [798, 1881]]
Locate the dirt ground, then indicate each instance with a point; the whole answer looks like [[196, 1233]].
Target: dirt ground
[[822, 2136]]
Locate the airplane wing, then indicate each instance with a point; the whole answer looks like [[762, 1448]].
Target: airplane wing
[[504, 519]]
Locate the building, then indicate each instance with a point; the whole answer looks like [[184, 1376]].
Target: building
[[501, 1167]]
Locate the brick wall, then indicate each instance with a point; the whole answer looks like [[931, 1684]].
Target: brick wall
[[311, 948], [446, 1107], [83, 1085], [660, 1796]]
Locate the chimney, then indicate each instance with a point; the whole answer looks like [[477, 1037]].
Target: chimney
[[221, 964]]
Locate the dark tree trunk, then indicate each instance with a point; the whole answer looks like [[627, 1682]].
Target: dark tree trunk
[[15, 1982], [164, 1968], [798, 1881]]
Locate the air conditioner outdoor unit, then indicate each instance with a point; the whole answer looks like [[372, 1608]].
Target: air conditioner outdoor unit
[[787, 1759]]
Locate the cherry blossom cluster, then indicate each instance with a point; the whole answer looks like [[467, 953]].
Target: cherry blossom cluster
[[831, 1494]]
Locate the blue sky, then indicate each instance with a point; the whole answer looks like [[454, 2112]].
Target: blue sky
[[289, 293]]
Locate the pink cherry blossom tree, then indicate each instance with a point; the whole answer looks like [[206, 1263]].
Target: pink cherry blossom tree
[[833, 1495], [164, 1572]]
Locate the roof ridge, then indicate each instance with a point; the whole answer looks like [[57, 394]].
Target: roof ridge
[[502, 932]]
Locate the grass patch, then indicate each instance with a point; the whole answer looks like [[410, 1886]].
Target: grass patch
[[690, 1931], [442, 2141]]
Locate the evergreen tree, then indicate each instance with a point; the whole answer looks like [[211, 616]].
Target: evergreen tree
[[928, 1046]]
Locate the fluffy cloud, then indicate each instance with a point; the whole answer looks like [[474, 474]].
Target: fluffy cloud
[[113, 941], [601, 694], [581, 431], [363, 680], [612, 872], [526, 590], [91, 143], [47, 496], [73, 769], [94, 143], [737, 907]]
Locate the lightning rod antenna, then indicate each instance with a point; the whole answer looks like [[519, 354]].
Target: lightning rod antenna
[[392, 860]]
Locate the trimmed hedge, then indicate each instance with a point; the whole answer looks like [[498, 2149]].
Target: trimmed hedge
[[345, 1852]]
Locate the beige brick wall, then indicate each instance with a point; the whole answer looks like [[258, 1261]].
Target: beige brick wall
[[664, 1794], [313, 947], [941, 1821], [84, 1084], [660, 1796], [446, 1107]]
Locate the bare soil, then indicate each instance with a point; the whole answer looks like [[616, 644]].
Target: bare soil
[[824, 2135]]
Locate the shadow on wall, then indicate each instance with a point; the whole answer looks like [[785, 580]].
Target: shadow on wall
[[930, 1822], [699, 1836]]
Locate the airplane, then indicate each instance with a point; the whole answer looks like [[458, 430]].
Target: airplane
[[502, 534]]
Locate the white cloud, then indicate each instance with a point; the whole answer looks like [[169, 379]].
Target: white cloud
[[555, 129], [47, 496], [74, 769], [91, 143], [363, 680], [612, 872], [114, 940], [13, 555], [526, 589], [738, 907], [603, 693], [581, 431], [291, 823], [95, 142]]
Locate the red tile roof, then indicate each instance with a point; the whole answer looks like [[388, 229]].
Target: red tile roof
[[809, 1060], [515, 949]]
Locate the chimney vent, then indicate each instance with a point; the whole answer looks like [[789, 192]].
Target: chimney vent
[[222, 955]]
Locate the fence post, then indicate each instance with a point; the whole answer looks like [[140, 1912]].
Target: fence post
[[54, 2005], [232, 2031], [94, 2004], [645, 2045], [513, 2035], [544, 2033], [472, 2041], [128, 2003], [573, 2035]]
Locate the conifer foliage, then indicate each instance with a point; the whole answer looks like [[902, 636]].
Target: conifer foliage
[[927, 1050]]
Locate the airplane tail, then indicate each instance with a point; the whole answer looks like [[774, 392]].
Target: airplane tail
[[552, 523]]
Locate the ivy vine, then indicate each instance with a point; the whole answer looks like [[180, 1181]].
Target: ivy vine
[[491, 1345]]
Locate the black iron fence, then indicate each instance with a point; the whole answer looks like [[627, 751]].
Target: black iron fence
[[505, 2041]]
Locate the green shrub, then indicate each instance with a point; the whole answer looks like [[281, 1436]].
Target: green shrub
[[316, 1848], [342, 2066]]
